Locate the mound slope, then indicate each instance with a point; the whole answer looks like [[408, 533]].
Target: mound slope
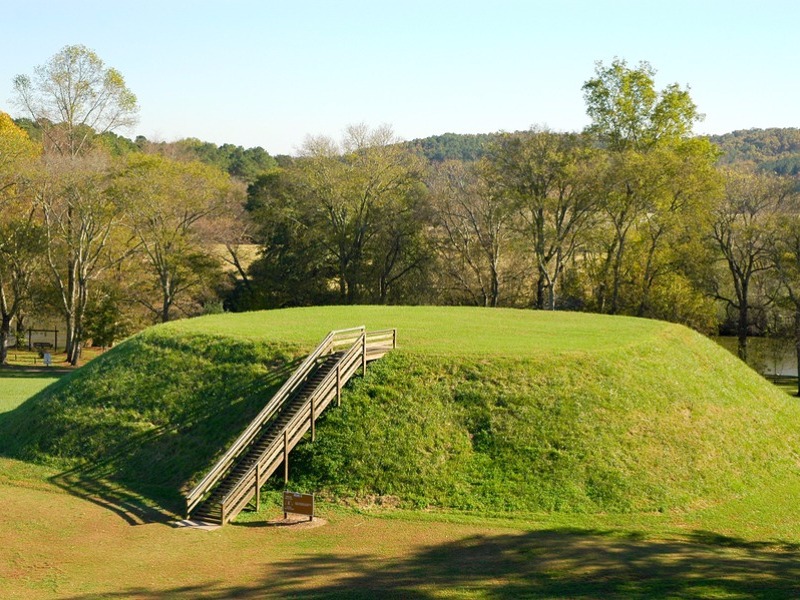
[[478, 409]]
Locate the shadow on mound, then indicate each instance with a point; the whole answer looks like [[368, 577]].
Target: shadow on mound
[[124, 483], [140, 424], [130, 500], [559, 563]]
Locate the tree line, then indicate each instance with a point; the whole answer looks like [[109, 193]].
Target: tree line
[[107, 239], [635, 215]]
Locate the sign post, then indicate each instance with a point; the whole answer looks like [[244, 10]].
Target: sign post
[[301, 504]]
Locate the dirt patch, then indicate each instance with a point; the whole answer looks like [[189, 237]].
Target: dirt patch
[[297, 522]]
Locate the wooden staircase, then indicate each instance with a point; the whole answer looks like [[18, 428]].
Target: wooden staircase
[[265, 445]]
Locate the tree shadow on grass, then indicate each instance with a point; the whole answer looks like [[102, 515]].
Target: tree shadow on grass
[[95, 483], [25, 372], [556, 563], [112, 484]]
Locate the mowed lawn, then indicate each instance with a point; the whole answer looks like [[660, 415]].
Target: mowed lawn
[[433, 330], [16, 386], [57, 545]]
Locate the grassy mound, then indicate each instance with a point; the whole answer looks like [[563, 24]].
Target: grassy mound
[[154, 412], [478, 409]]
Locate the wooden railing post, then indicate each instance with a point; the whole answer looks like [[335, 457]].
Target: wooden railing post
[[338, 384], [364, 354], [258, 489], [394, 338], [285, 456], [313, 427]]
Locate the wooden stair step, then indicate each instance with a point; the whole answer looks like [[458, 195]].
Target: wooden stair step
[[271, 436]]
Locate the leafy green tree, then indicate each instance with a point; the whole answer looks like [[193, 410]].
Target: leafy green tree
[[545, 176], [682, 185], [453, 146], [292, 268], [402, 253], [348, 190], [754, 147], [244, 164], [20, 231], [106, 320], [639, 126], [628, 113], [171, 207]]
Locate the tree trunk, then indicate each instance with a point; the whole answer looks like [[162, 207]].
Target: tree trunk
[[166, 296], [602, 286], [616, 277], [797, 342], [72, 346], [541, 283], [540, 289], [383, 292], [5, 333], [20, 327], [165, 305], [741, 331], [495, 283], [551, 290]]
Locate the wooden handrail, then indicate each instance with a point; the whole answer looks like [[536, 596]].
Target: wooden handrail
[[347, 365], [328, 345]]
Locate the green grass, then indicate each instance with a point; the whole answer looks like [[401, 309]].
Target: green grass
[[436, 330], [19, 386], [153, 413], [479, 446], [670, 423], [479, 410]]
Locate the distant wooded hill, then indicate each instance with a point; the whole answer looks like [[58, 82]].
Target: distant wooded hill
[[776, 149], [453, 146]]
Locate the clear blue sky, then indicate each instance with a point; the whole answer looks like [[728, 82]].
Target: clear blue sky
[[267, 73]]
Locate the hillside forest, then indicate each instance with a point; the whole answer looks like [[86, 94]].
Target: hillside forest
[[635, 215]]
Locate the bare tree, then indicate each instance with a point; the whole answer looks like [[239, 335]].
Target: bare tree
[[79, 218], [74, 97], [473, 223], [742, 231]]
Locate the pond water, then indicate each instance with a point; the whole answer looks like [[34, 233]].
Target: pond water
[[766, 355]]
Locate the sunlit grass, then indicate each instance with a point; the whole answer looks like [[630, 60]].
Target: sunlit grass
[[15, 388], [437, 330]]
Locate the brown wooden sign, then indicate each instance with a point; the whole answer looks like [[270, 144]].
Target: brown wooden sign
[[301, 504]]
